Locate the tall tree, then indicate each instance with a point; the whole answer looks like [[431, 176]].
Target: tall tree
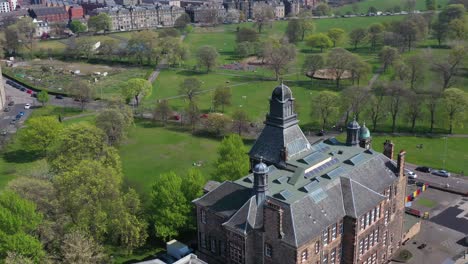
[[432, 103], [319, 40], [336, 35], [279, 55], [449, 66], [190, 88], [43, 97], [374, 34], [240, 121], [417, 67], [82, 92], [376, 103], [162, 111], [135, 88], [455, 103], [169, 206], [207, 57], [353, 100], [458, 29], [293, 30], [77, 247], [40, 133], [263, 14], [222, 97], [324, 105], [306, 23], [388, 56], [232, 162], [145, 44], [452, 12], [114, 125], [182, 21], [414, 110], [192, 114], [357, 36], [77, 27], [440, 31], [359, 68], [192, 188], [101, 22], [312, 64], [246, 34], [339, 61], [395, 94]]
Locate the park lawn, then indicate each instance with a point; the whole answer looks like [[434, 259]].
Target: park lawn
[[426, 202], [383, 5]]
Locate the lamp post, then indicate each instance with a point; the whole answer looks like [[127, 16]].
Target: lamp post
[[445, 152]]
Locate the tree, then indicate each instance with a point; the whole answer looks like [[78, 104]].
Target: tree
[[169, 206], [325, 106], [353, 100], [319, 40], [216, 124], [18, 222], [114, 125], [192, 188], [456, 103], [40, 133], [433, 99], [448, 66], [279, 55], [293, 30], [77, 27], [82, 92], [414, 111], [240, 121], [26, 29], [431, 4], [182, 21], [169, 33], [81, 141], [440, 31], [244, 49], [145, 44], [246, 34], [339, 61], [109, 48], [232, 16], [222, 97], [12, 40], [377, 105], [43, 97], [207, 56], [388, 56], [263, 14], [451, 12], [312, 64], [336, 35], [101, 22], [395, 94], [357, 36], [190, 88], [306, 24], [135, 88], [416, 66], [410, 5], [374, 34], [359, 68], [192, 114], [458, 29], [372, 10], [232, 162], [77, 247], [322, 9], [401, 70], [162, 111]]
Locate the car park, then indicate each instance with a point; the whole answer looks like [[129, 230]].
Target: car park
[[27, 106], [441, 173], [424, 169]]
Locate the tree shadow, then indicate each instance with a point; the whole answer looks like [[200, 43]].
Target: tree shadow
[[21, 156]]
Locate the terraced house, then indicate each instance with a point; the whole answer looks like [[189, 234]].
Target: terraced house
[[323, 203]]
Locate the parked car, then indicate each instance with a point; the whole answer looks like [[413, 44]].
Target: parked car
[[7, 109], [58, 96], [29, 91], [13, 121], [27, 106], [21, 113], [4, 132], [411, 174], [442, 173], [424, 169], [18, 117], [34, 95], [11, 103], [23, 89]]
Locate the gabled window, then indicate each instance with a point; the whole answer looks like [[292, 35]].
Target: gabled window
[[268, 250], [304, 255], [203, 216]]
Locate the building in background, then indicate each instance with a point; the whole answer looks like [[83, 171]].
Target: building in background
[[3, 102], [49, 14], [207, 13], [42, 28], [327, 202]]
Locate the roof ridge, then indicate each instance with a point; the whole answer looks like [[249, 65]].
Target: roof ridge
[[235, 214], [203, 196], [366, 187]]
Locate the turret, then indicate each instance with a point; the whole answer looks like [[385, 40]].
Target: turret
[[365, 138], [352, 130], [260, 185]]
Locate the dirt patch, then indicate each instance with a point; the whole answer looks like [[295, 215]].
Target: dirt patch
[[328, 74], [253, 60]]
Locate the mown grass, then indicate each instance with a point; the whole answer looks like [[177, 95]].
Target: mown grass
[[363, 6], [426, 202]]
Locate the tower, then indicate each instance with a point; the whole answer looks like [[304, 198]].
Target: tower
[[352, 130], [260, 184], [365, 138]]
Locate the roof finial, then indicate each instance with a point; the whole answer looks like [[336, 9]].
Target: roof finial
[[261, 159]]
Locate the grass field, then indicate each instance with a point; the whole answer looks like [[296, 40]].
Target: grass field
[[363, 6], [426, 202]]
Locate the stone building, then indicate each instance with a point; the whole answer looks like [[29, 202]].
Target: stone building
[[209, 13], [326, 202]]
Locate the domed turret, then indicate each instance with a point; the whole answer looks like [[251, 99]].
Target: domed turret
[[260, 184], [352, 133], [365, 138], [282, 93], [260, 168], [281, 108]]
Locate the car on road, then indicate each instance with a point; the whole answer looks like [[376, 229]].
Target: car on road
[[424, 169], [18, 117], [13, 121], [3, 132], [27, 106], [22, 89], [411, 174], [29, 91], [21, 113], [11, 103], [442, 173], [7, 109], [58, 96]]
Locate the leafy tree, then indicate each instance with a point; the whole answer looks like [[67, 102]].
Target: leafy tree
[[162, 111], [135, 88], [339, 60], [431, 4], [12, 40], [306, 24], [145, 44], [232, 162], [182, 21], [293, 30], [43, 97], [244, 49], [312, 64], [177, 52], [448, 66], [353, 100], [374, 34], [359, 68], [216, 124], [336, 35], [81, 91], [263, 14], [114, 125], [452, 12], [279, 55], [192, 188], [372, 10], [388, 56], [101, 22], [222, 97], [401, 70], [192, 114], [395, 94], [190, 87], [240, 121], [357, 36], [319, 40], [246, 34], [79, 142], [18, 222], [414, 111], [440, 31], [456, 103], [77, 27], [325, 106], [207, 57], [322, 9], [77, 247], [458, 29], [169, 206], [432, 102], [169, 33], [40, 133]]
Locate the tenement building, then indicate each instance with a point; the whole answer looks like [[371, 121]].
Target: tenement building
[[328, 202]]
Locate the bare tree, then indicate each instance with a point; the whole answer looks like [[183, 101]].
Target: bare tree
[[162, 111], [377, 105], [432, 102], [192, 114], [81, 91], [414, 111], [279, 55], [190, 87], [395, 93], [240, 121], [353, 100], [416, 66], [325, 106], [263, 14], [448, 67], [339, 60]]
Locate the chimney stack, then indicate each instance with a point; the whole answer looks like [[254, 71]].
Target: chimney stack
[[401, 163], [388, 149]]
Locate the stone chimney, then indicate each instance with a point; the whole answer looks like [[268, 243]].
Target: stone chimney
[[401, 163], [260, 184], [388, 148]]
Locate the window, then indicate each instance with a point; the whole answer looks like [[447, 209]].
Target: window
[[213, 245], [317, 247], [362, 222], [325, 237], [235, 252], [338, 254], [386, 217], [222, 248], [203, 216], [384, 238], [395, 190], [325, 259], [378, 211], [366, 243], [304, 255], [376, 235], [391, 238], [389, 191], [333, 232], [268, 250], [371, 239], [374, 258], [333, 256], [341, 228], [393, 208], [202, 240], [367, 219], [361, 247]]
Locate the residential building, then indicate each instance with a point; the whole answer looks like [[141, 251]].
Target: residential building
[[208, 13], [5, 6], [326, 202], [42, 28], [49, 14]]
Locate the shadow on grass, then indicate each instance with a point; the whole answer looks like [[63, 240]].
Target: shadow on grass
[[21, 156]]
